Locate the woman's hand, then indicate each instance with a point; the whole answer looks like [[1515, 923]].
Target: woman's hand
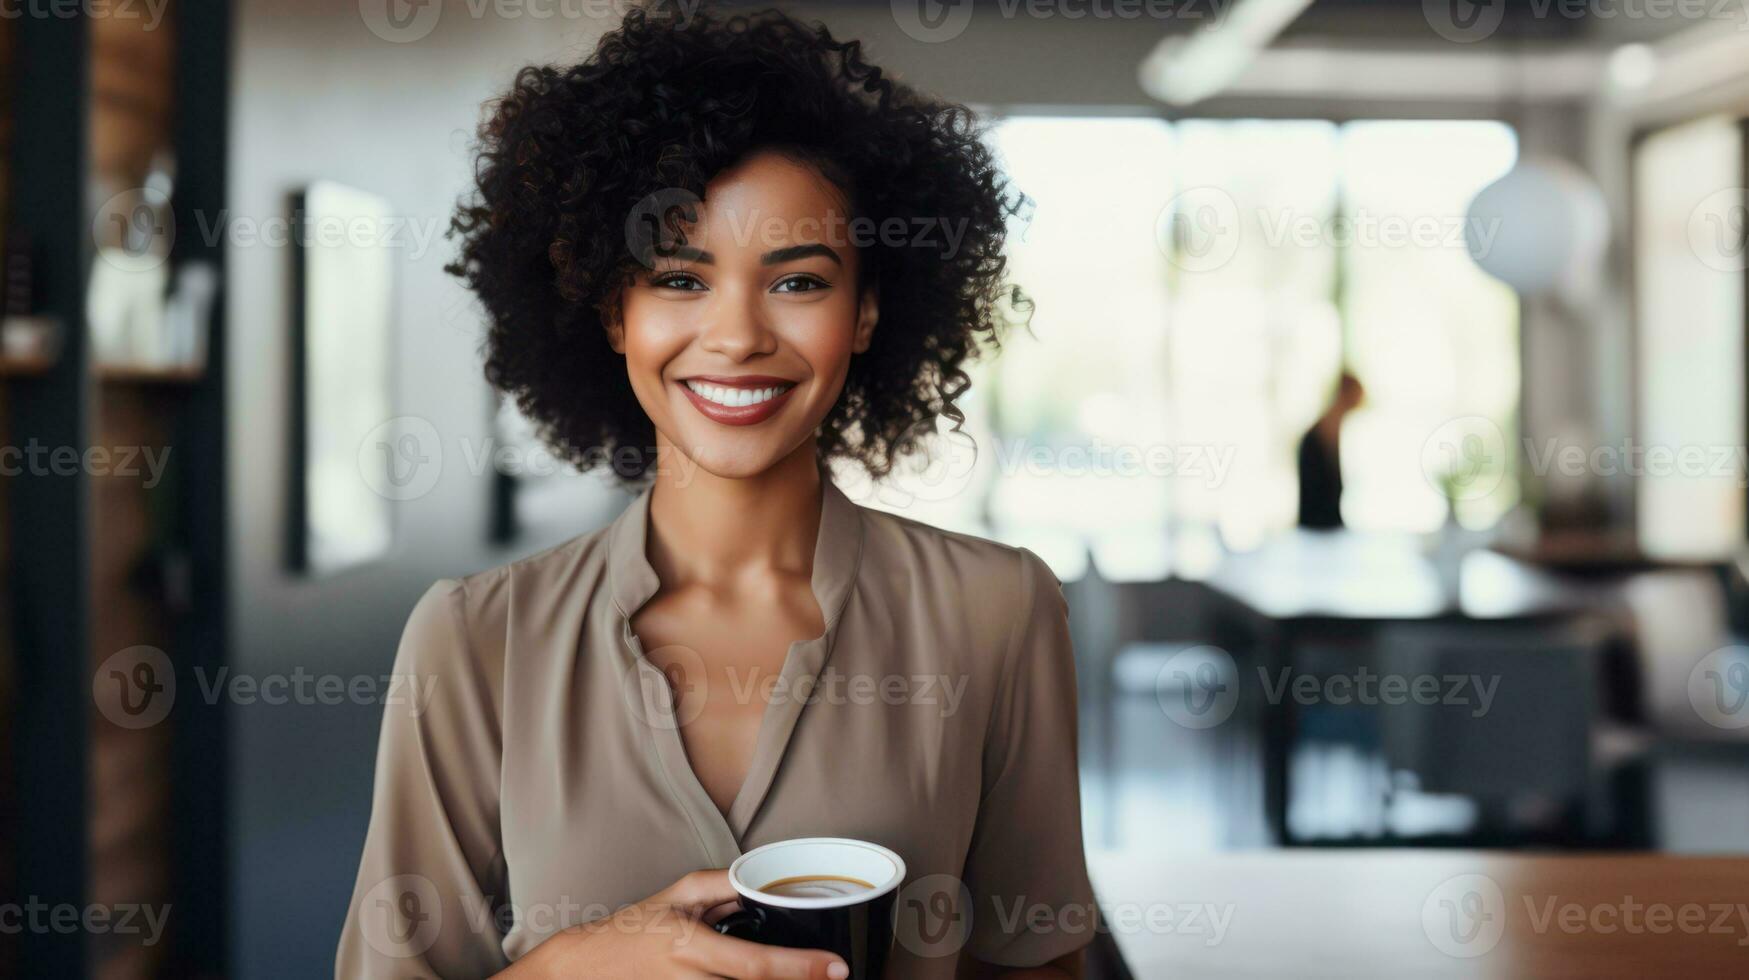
[[667, 936]]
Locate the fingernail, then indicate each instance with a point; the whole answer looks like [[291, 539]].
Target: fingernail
[[838, 971]]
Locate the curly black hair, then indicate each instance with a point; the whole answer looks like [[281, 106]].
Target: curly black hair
[[666, 102]]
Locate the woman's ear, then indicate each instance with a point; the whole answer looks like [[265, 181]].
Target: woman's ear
[[614, 324], [867, 315]]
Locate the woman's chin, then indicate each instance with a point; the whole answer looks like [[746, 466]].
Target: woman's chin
[[734, 459]]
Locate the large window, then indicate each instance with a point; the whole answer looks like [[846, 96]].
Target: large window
[[1198, 288], [1689, 263]]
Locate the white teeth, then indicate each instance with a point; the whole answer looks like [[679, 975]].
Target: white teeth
[[735, 397]]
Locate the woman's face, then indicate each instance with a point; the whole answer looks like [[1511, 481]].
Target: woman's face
[[738, 344]]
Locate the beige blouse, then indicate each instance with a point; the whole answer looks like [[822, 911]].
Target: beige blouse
[[536, 777]]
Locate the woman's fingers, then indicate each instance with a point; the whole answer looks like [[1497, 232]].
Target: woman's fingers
[[699, 891], [739, 959], [707, 896], [714, 915]]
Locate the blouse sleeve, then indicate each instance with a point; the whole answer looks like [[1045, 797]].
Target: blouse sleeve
[[1026, 872], [431, 882]]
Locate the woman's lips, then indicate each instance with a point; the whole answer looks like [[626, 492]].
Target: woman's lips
[[714, 390]]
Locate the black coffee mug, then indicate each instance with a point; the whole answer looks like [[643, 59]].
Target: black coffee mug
[[857, 926]]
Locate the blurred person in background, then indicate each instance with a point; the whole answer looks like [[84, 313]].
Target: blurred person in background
[[1320, 459]]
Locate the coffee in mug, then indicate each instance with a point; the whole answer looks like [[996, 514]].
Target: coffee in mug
[[830, 893], [815, 886]]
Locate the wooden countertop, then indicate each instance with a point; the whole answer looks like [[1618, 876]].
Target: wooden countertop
[[1403, 914]]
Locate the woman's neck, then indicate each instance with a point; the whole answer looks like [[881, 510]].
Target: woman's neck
[[710, 529]]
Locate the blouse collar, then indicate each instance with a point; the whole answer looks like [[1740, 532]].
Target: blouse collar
[[837, 553]]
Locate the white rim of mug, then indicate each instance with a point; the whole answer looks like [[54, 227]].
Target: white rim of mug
[[836, 901]]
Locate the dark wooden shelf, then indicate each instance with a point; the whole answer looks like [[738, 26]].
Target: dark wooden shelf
[[148, 374], [24, 367]]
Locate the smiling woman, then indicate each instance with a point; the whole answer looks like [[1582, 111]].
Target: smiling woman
[[589, 177], [705, 251], [727, 299]]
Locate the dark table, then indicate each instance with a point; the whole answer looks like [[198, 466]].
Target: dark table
[[1344, 585]]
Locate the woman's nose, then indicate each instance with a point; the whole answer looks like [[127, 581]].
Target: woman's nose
[[735, 327]]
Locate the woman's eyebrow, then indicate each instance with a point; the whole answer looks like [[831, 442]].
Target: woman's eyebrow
[[792, 252], [685, 253]]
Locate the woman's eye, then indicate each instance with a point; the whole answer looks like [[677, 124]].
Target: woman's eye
[[676, 280], [801, 284]]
